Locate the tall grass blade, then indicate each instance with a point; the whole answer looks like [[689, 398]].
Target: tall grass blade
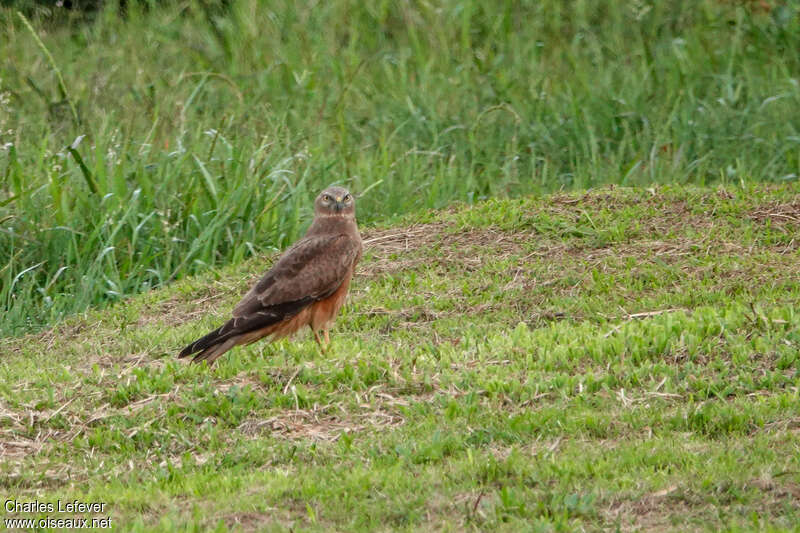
[[85, 172], [62, 87]]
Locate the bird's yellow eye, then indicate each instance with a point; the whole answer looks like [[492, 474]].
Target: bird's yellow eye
[[346, 197], [327, 198]]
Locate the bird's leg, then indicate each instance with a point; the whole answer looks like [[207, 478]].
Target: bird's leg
[[322, 347]]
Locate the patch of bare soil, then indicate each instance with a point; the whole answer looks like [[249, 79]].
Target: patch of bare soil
[[177, 311], [319, 425], [669, 508], [778, 214], [255, 521], [396, 249], [663, 510]]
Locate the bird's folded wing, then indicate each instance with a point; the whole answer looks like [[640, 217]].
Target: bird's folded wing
[[310, 270]]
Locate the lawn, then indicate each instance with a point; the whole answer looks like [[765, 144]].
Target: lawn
[[618, 358]]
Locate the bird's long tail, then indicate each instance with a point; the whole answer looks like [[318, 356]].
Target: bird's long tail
[[244, 330], [211, 346]]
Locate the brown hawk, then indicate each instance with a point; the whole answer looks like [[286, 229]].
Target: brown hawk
[[305, 287]]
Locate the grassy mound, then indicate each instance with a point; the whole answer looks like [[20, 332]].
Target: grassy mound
[[617, 358], [205, 130]]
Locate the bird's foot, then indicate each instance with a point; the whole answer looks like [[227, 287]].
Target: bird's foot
[[322, 347]]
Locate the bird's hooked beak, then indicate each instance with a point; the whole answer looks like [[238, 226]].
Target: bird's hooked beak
[[339, 205]]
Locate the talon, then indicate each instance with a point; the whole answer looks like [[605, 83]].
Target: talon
[[323, 348]]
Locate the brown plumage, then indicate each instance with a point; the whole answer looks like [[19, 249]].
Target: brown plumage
[[305, 287]]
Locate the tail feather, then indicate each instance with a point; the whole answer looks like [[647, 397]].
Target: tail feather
[[211, 346], [214, 352], [210, 340]]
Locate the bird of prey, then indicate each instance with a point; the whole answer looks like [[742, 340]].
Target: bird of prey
[[305, 287]]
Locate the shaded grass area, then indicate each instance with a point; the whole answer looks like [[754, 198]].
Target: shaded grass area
[[621, 358], [206, 130]]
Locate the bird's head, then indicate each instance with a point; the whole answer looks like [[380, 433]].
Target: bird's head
[[335, 201]]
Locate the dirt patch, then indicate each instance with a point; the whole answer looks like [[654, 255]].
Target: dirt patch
[[663, 510], [252, 521], [315, 424], [177, 311], [777, 213], [15, 447], [669, 508], [395, 249], [785, 490]]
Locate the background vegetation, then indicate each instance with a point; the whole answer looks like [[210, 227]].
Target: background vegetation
[[181, 136]]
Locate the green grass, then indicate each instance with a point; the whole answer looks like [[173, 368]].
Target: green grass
[[206, 131], [618, 359]]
